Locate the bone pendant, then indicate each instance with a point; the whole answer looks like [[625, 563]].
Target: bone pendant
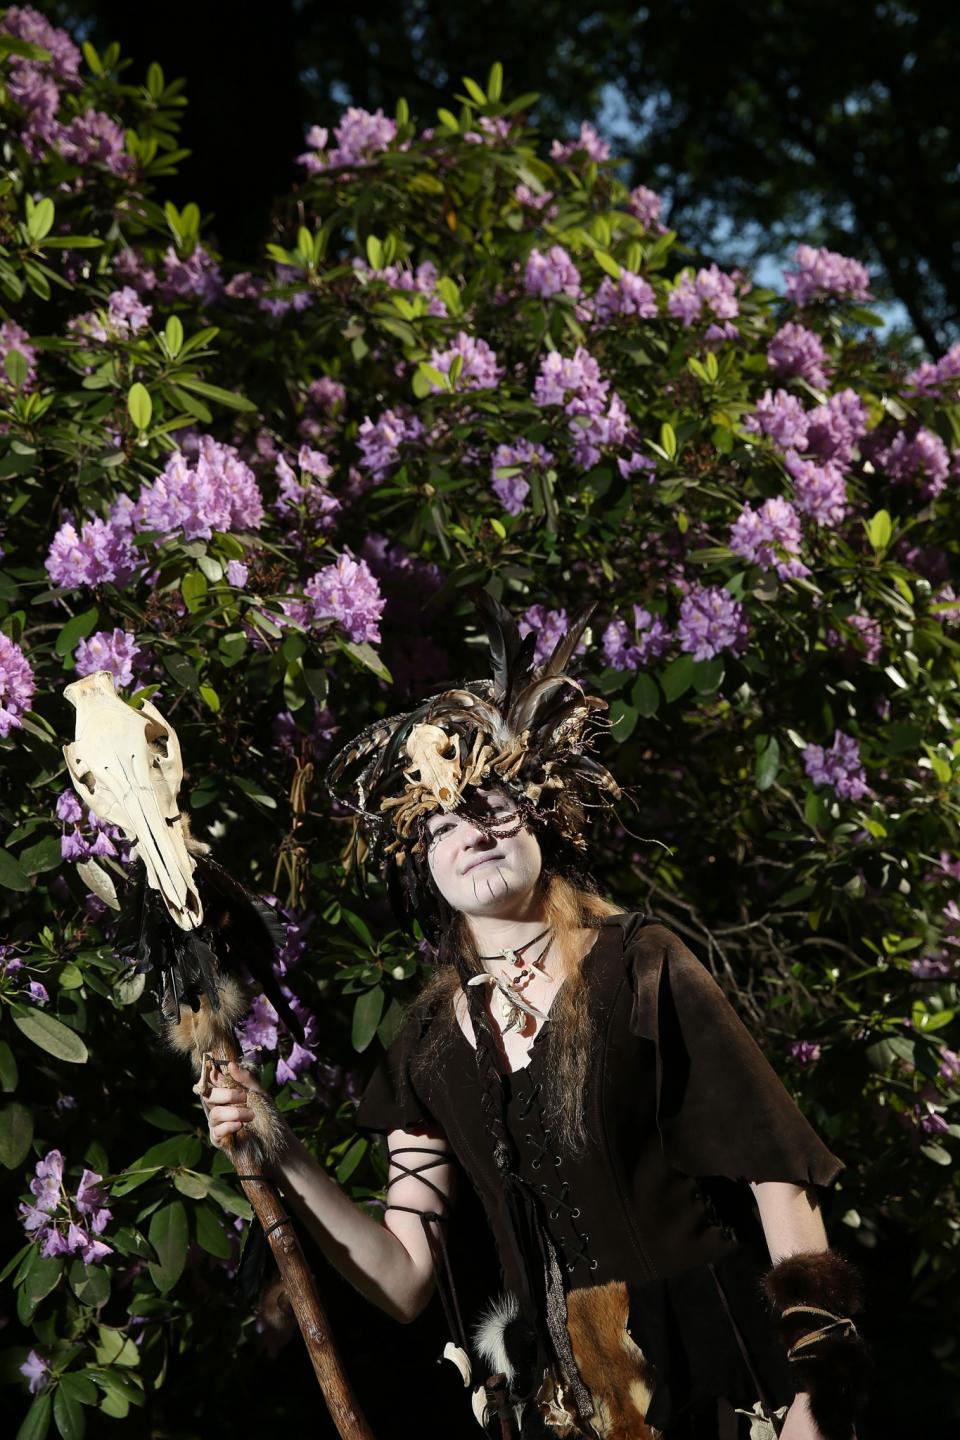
[[125, 765]]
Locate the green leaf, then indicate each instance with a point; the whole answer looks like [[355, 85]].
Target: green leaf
[[767, 762], [448, 119], [365, 655], [39, 218], [75, 630], [8, 1068], [169, 1236], [255, 791], [366, 1017], [668, 440], [41, 857], [68, 1415], [42, 1277], [474, 91], [180, 668], [231, 1198], [210, 1233], [50, 1034], [139, 405], [214, 392], [37, 1420], [645, 696], [495, 82], [195, 1187], [879, 529], [173, 335], [623, 720], [354, 1154], [607, 263], [359, 927], [90, 1283], [80, 1386], [677, 677], [16, 1134], [12, 876], [210, 698], [16, 367]]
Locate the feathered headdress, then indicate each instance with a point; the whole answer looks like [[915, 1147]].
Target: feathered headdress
[[526, 731]]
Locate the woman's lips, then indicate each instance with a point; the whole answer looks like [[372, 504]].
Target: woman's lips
[[485, 860]]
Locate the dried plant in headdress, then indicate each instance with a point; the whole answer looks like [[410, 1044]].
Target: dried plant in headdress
[[526, 731]]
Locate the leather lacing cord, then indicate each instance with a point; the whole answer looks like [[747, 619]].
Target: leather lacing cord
[[262, 1180], [560, 1201], [436, 1239]]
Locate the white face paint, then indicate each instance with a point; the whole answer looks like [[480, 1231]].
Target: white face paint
[[480, 874]]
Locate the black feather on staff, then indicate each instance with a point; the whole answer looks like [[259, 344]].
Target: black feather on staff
[[240, 931]]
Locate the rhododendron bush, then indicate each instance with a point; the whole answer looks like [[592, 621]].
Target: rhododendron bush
[[260, 498]]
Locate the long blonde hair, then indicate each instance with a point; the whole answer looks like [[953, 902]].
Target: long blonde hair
[[567, 910]]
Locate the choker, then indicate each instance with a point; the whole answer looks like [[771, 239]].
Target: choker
[[511, 1004]]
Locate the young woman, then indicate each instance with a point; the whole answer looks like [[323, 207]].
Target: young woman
[[648, 1181]]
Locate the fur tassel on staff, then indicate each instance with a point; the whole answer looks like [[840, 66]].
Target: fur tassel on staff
[[194, 925]]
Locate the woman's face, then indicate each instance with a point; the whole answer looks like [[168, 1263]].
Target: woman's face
[[480, 874]]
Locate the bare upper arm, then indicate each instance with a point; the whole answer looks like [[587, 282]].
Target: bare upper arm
[[431, 1191]]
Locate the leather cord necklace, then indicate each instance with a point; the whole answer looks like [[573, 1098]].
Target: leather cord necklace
[[512, 1004]]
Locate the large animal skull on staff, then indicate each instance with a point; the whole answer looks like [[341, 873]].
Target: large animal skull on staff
[[127, 769]]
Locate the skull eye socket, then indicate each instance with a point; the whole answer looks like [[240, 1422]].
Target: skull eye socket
[[157, 737]]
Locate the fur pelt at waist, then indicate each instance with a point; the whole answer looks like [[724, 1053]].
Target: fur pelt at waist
[[612, 1366]]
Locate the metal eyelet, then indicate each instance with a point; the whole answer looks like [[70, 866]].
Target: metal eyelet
[[543, 1189], [594, 1264], [558, 1160], [554, 1214], [528, 1138], [571, 1267], [535, 1164], [575, 1213]]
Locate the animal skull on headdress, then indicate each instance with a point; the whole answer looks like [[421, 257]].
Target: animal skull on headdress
[[126, 766]]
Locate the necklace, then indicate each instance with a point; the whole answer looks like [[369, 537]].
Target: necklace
[[510, 1003]]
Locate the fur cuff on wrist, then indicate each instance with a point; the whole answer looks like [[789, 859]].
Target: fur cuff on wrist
[[832, 1369]]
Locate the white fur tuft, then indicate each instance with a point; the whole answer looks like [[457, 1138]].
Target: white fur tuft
[[488, 1334]]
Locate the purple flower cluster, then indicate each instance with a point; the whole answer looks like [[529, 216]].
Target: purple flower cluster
[[347, 592], [479, 369], [645, 205], [551, 626], [114, 651], [216, 491], [192, 277], [769, 537], [52, 1219], [711, 290], [261, 1031], [16, 685], [795, 350], [35, 85], [574, 382], [931, 967], [99, 553], [307, 494], [838, 765], [949, 1066], [819, 491], [588, 141], [835, 429], [781, 417], [630, 295], [869, 631], [822, 273], [530, 200], [494, 130], [89, 836], [506, 472], [939, 379], [379, 443], [552, 273], [649, 640], [13, 337], [804, 1052], [421, 281], [125, 315], [921, 456], [359, 136], [711, 621], [95, 138]]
